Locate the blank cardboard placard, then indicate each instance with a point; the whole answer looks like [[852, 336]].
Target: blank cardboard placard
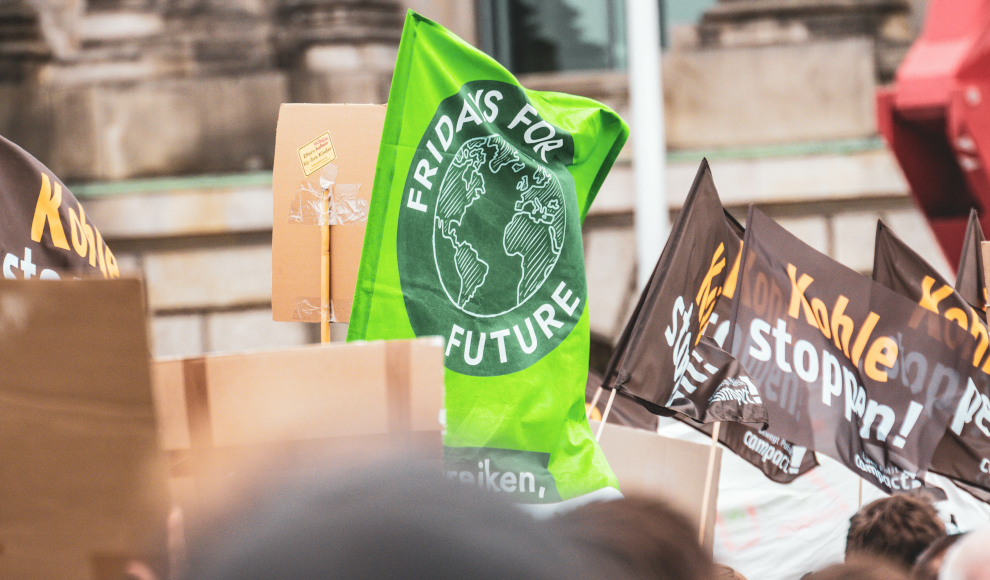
[[305, 393], [320, 149], [82, 485], [226, 418], [672, 470]]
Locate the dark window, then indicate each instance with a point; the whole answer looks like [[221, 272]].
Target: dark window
[[529, 36]]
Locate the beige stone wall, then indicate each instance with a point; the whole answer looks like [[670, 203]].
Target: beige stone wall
[[458, 16], [204, 250], [787, 125], [204, 246], [831, 201]]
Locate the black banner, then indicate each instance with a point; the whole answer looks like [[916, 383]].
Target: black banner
[[963, 455], [780, 460], [835, 337], [969, 276], [44, 232], [662, 358]]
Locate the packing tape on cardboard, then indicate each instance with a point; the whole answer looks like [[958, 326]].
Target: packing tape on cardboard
[[327, 202], [312, 310]]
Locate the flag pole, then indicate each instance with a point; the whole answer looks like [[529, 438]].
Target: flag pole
[[594, 402], [608, 408], [325, 268], [648, 134], [708, 483]]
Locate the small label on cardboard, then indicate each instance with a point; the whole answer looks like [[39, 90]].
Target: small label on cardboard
[[316, 154]]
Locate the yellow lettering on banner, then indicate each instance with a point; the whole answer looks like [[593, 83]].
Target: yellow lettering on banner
[[979, 332], [798, 288], [958, 316], [864, 336], [46, 211], [81, 232], [821, 316], [883, 351], [929, 299], [113, 271], [841, 321], [730, 282], [705, 299], [99, 252]]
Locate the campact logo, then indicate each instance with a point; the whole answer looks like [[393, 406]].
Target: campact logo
[[489, 234]]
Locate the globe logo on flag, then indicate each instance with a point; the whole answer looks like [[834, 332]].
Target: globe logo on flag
[[479, 277], [489, 234]]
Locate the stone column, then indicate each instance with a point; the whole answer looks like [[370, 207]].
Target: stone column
[[114, 89], [339, 50]]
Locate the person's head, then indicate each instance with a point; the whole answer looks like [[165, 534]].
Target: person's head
[[927, 565], [860, 568], [393, 521], [635, 538], [723, 572], [898, 528], [969, 558]]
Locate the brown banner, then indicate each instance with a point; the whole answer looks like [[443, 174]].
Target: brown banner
[[662, 358], [44, 231], [964, 453], [836, 339], [970, 282]]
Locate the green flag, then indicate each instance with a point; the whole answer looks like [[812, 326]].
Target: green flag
[[474, 234]]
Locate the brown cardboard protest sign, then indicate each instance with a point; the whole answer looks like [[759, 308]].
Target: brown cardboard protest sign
[[82, 485], [663, 468], [297, 394], [240, 413], [324, 170]]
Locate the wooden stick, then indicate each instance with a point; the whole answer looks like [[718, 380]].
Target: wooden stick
[[608, 407], [325, 270], [708, 484], [860, 494], [594, 402]]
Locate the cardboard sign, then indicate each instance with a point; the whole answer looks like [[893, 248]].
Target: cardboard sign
[[300, 394], [82, 485], [324, 170], [663, 468], [225, 418]]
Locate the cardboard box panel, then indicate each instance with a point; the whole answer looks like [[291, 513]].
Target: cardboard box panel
[[664, 468], [267, 397], [354, 133], [426, 370], [306, 393], [82, 481]]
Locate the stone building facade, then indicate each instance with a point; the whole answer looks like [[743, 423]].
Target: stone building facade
[[162, 114]]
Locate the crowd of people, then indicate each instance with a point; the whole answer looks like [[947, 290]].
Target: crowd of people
[[399, 519]]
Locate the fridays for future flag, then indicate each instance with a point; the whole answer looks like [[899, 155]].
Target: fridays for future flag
[[44, 231], [474, 234], [963, 455], [838, 338]]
